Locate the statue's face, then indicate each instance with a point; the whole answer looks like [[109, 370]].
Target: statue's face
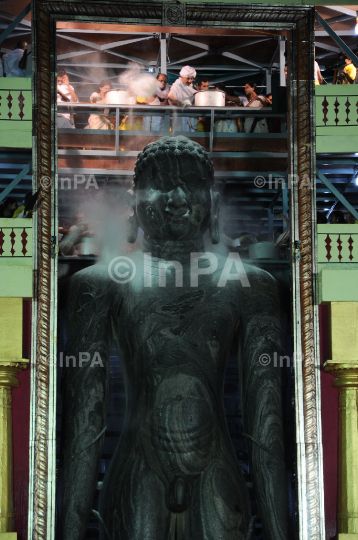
[[173, 199]]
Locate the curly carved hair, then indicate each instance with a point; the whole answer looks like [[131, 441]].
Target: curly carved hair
[[169, 147]]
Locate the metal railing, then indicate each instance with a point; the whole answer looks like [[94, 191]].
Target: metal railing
[[169, 114]]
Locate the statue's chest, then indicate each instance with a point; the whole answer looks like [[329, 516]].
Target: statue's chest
[[193, 315]]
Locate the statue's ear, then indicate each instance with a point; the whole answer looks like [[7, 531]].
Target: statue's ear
[[132, 220], [214, 218]]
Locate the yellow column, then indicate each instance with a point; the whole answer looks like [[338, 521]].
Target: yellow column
[[344, 366], [11, 363]]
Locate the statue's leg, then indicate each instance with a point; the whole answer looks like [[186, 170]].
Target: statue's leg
[[218, 508], [132, 502], [84, 424]]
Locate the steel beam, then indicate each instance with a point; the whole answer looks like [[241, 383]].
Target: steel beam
[[9, 17], [102, 47], [242, 59], [211, 51], [337, 39], [342, 9], [14, 23], [99, 48], [216, 68], [268, 81], [174, 68], [323, 33], [336, 193], [232, 77], [16, 181], [78, 74], [192, 42], [282, 61], [73, 54], [163, 53], [321, 45], [335, 20]]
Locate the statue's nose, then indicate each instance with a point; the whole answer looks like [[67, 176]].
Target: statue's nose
[[177, 199]]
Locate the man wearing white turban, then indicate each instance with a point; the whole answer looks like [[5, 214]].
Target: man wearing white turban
[[182, 95]]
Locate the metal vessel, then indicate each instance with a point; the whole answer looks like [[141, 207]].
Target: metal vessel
[[120, 97], [210, 98], [263, 250]]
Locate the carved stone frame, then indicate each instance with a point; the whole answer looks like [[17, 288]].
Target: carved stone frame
[[299, 21]]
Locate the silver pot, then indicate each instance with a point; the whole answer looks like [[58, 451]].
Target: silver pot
[[87, 246], [210, 98], [263, 250], [120, 97]]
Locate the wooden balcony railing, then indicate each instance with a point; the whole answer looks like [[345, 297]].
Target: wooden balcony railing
[[336, 118], [15, 258], [15, 112], [15, 238], [338, 244], [337, 263]]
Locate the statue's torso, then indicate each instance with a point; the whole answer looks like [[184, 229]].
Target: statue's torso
[[174, 343]]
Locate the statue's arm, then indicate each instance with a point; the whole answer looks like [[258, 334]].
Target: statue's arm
[[261, 341], [85, 389]]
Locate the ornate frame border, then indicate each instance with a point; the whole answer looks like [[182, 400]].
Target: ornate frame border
[[299, 20]]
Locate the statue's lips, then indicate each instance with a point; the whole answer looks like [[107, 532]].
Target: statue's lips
[[178, 218]]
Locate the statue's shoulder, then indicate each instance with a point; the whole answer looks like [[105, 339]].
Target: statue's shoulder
[[249, 274], [258, 275], [93, 280], [263, 287], [254, 282]]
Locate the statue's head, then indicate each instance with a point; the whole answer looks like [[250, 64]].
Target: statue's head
[[172, 196]]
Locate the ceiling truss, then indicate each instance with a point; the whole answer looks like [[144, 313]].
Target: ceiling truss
[[23, 28]]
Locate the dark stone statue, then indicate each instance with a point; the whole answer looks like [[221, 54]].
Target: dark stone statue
[[174, 474]]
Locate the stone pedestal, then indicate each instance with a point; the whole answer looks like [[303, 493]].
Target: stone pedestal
[[11, 364], [347, 382], [344, 366]]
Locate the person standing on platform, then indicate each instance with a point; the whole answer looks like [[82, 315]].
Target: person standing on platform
[[347, 73], [100, 121], [318, 79], [182, 95], [156, 123], [8, 207], [202, 85], [254, 125], [65, 94], [12, 59]]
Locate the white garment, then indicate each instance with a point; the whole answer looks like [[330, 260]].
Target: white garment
[[98, 121], [261, 124], [11, 64], [64, 123], [95, 97], [316, 71], [182, 92], [65, 90], [153, 123], [156, 123], [226, 126], [163, 94]]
